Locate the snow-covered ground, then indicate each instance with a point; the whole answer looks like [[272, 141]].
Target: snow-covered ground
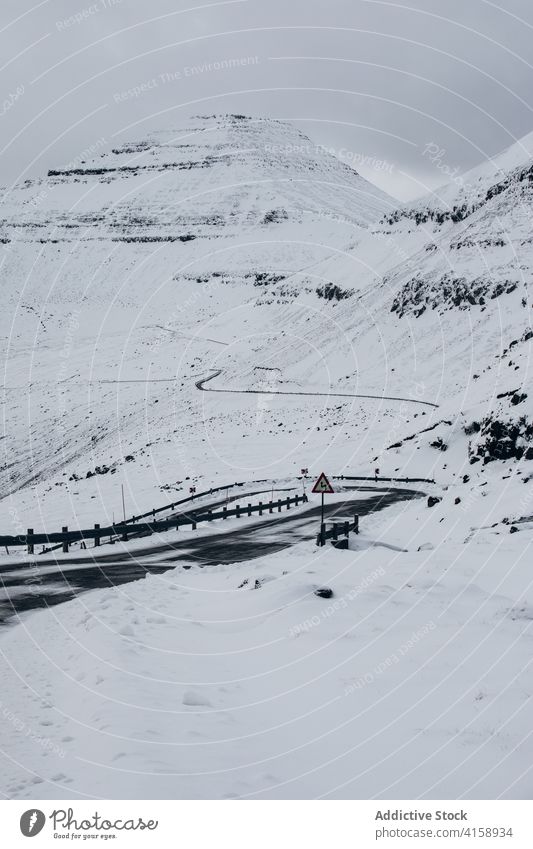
[[412, 680]]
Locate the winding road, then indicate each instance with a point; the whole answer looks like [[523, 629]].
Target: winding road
[[200, 384], [47, 581]]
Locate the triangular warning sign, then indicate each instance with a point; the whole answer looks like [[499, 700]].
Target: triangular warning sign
[[322, 485]]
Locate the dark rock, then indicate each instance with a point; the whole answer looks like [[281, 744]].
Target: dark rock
[[457, 500], [275, 216], [503, 440], [324, 592], [432, 500], [513, 529], [332, 292]]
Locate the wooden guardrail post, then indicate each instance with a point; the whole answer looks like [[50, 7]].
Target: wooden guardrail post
[[96, 535], [30, 544], [356, 524], [260, 508], [237, 511], [297, 500], [193, 526], [288, 503], [249, 509], [209, 515], [224, 512], [347, 529], [279, 505], [335, 533], [270, 507], [65, 541]]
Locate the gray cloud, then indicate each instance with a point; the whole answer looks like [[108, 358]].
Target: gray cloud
[[376, 80]]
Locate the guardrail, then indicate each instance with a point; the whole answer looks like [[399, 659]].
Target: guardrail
[[135, 527], [339, 527], [379, 478], [190, 498], [97, 533]]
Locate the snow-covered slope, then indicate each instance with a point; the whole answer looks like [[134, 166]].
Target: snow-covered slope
[[275, 274], [142, 264], [221, 194], [215, 247], [433, 302], [239, 682], [466, 298]]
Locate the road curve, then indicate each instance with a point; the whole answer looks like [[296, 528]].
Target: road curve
[[200, 384], [53, 580]]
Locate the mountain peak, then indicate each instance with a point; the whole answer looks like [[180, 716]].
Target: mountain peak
[[220, 193]]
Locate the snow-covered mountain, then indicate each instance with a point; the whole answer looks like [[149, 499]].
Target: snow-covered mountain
[[112, 265], [234, 250], [225, 195], [236, 245], [467, 292]]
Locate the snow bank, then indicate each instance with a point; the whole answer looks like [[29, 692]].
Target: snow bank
[[238, 681]]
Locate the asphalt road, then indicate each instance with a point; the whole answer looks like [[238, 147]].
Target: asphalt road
[[48, 581], [200, 384]]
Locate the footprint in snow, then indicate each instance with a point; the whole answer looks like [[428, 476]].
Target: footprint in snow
[[193, 699]]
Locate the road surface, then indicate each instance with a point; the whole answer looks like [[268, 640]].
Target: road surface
[[200, 384], [48, 581]]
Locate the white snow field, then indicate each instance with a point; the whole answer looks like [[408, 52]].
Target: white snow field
[[233, 248], [412, 681]]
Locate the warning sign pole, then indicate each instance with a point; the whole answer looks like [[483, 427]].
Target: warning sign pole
[[323, 486]]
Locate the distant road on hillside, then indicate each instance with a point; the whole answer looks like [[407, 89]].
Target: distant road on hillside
[[200, 384]]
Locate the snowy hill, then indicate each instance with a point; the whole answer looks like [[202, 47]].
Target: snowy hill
[[235, 245], [152, 291], [466, 298], [226, 195], [141, 264]]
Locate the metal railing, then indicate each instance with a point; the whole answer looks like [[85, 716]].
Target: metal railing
[[123, 529], [379, 478]]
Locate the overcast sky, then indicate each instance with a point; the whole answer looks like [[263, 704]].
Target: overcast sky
[[377, 81]]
